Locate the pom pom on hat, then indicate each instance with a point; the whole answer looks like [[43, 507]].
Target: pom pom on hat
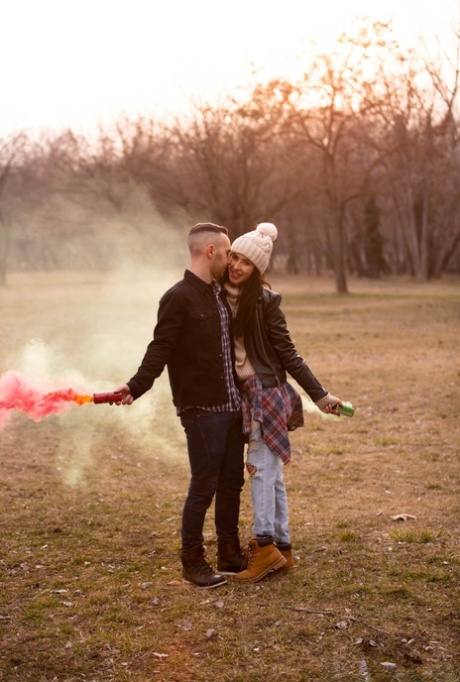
[[268, 230], [257, 245]]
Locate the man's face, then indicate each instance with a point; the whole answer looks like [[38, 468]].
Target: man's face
[[220, 260]]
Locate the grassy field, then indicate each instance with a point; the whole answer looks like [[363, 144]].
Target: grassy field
[[91, 499]]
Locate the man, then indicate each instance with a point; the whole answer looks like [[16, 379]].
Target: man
[[192, 338]]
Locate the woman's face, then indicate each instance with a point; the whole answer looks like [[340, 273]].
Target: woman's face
[[240, 269]]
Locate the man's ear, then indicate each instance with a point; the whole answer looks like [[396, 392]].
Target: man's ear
[[210, 250]]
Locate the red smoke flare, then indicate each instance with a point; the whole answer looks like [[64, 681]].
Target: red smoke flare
[[18, 392]]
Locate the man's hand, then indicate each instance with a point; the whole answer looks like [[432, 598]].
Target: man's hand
[[127, 398], [328, 404]]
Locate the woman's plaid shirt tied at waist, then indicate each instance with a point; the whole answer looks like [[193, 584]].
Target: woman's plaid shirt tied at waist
[[278, 409]]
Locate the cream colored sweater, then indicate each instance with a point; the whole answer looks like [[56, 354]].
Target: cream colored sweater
[[243, 367]]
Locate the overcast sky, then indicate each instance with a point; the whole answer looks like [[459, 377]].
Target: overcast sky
[[78, 63]]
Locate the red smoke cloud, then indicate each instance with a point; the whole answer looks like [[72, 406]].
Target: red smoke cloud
[[30, 396]]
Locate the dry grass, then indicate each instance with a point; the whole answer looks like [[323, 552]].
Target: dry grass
[[91, 501]]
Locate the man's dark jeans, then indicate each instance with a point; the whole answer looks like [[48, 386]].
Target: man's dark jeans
[[216, 454]]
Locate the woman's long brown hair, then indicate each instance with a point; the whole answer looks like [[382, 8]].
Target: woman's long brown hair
[[250, 292]]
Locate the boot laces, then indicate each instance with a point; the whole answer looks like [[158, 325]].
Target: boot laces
[[251, 553], [202, 568]]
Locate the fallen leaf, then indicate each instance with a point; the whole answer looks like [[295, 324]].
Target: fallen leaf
[[402, 517]]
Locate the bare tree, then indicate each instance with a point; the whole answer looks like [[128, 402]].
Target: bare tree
[[228, 165], [11, 157], [419, 154], [325, 117], [359, 161]]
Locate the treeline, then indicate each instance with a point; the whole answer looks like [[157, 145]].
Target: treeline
[[357, 163]]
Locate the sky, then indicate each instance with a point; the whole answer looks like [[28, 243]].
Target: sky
[[81, 63]]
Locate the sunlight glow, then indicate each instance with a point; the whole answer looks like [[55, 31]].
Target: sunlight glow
[[80, 63]]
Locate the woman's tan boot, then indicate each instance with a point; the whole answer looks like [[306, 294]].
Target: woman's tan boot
[[286, 551], [261, 559]]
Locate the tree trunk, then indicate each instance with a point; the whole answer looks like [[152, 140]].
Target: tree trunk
[[445, 255], [338, 255], [424, 270], [4, 249]]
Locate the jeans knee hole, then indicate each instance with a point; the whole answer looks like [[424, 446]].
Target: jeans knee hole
[[252, 470]]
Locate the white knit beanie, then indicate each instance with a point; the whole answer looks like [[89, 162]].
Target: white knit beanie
[[257, 245]]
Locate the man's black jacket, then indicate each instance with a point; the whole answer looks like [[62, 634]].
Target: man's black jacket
[[186, 339]]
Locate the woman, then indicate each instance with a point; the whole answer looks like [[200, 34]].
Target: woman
[[264, 352]]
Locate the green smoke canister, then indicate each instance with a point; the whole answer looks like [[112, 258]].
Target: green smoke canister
[[347, 409]]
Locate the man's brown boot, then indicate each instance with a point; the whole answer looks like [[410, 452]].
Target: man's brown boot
[[286, 551], [196, 570], [231, 558], [261, 559]]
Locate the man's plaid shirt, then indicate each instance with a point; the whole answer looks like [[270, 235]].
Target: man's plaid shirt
[[278, 409], [234, 402]]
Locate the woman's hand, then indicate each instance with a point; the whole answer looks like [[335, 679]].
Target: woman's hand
[[328, 404]]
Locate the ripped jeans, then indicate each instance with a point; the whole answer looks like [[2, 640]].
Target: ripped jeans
[[269, 498]]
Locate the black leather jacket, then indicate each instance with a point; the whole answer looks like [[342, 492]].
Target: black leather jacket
[[187, 338], [272, 352]]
